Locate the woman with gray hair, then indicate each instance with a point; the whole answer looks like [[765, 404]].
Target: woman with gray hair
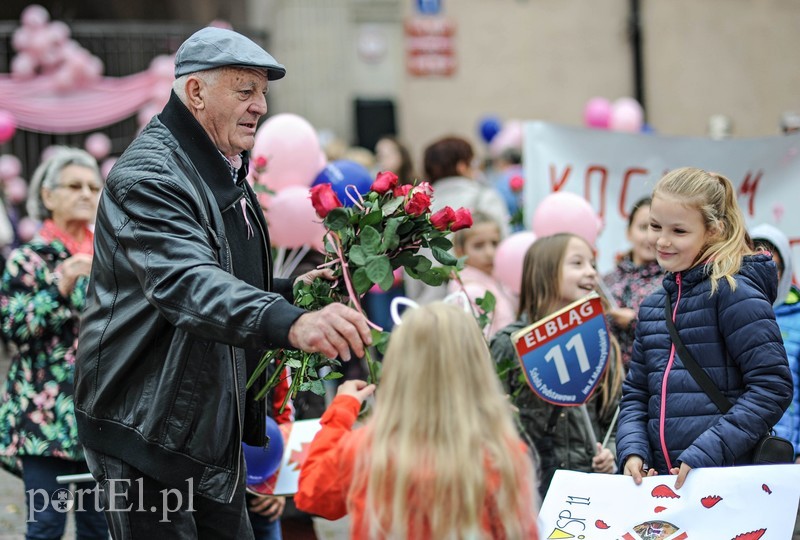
[[42, 293]]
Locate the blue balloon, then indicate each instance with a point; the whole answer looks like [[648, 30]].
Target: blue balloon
[[490, 126], [264, 462], [343, 173]]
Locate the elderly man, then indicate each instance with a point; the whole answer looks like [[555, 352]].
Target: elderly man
[[182, 302]]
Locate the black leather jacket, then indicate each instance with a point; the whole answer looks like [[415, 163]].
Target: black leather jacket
[[161, 371]]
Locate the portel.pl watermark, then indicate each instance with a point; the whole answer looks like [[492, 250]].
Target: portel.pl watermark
[[64, 500]]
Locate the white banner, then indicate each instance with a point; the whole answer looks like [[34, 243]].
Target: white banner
[[613, 170], [729, 503]]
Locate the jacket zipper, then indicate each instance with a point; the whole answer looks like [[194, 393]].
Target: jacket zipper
[[663, 412], [236, 388], [233, 353]]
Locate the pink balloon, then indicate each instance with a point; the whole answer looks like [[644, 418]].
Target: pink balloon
[[34, 16], [16, 190], [293, 222], [10, 166], [291, 146], [59, 31], [23, 66], [27, 228], [563, 211], [48, 152], [626, 115], [106, 166], [508, 259], [597, 113], [510, 136], [8, 126], [98, 144], [21, 38], [163, 66]]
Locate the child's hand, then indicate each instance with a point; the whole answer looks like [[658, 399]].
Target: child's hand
[[358, 389], [603, 461], [634, 466], [682, 473]]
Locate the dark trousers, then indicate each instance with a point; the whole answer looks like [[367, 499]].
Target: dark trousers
[[140, 507], [48, 502]]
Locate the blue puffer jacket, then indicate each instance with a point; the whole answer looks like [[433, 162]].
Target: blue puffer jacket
[[734, 337], [788, 316]]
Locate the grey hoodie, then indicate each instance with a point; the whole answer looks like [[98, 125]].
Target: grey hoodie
[[774, 236]]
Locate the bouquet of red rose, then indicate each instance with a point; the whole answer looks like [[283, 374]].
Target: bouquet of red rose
[[365, 243]]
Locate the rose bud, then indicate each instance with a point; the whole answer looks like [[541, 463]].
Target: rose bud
[[442, 219], [418, 204], [385, 181], [424, 187], [260, 163], [516, 183], [323, 199], [463, 220], [402, 191]]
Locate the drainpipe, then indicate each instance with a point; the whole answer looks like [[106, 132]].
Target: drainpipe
[[635, 35]]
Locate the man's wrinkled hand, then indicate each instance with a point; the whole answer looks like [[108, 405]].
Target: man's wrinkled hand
[[333, 331]]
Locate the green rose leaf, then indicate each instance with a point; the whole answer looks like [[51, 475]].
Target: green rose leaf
[[441, 243], [337, 219], [422, 264], [361, 281], [391, 240], [333, 375], [358, 256], [444, 257], [373, 218], [378, 268], [487, 302], [432, 277], [390, 207], [370, 240]]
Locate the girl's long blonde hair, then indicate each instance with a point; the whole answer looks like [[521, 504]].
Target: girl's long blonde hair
[[713, 195], [442, 427], [540, 296]]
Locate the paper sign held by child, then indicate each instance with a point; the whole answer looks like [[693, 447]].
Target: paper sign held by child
[[297, 437], [725, 503], [564, 355]]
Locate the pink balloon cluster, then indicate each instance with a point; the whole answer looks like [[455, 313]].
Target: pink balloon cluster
[[288, 157], [563, 211], [291, 147], [625, 114], [44, 48]]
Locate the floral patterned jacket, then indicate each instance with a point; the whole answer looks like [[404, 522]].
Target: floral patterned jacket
[[36, 408], [630, 285]]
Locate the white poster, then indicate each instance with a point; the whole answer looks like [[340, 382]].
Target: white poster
[[613, 170], [730, 503], [297, 437]]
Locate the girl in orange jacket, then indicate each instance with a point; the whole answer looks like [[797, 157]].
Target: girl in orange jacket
[[439, 457]]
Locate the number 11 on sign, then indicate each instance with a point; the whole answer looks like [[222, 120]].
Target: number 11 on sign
[[555, 354]]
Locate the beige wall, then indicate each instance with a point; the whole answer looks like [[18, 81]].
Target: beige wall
[[542, 59]]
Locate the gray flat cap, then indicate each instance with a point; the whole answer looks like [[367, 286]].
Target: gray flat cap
[[213, 47]]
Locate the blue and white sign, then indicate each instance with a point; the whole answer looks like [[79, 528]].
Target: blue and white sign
[[564, 355]]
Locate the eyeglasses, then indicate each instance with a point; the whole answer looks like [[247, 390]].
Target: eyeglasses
[[79, 186]]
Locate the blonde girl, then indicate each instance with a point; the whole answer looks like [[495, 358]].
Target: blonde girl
[[439, 458], [721, 294], [479, 245], [558, 270]]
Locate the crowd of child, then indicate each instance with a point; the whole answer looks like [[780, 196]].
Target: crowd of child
[[688, 247]]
